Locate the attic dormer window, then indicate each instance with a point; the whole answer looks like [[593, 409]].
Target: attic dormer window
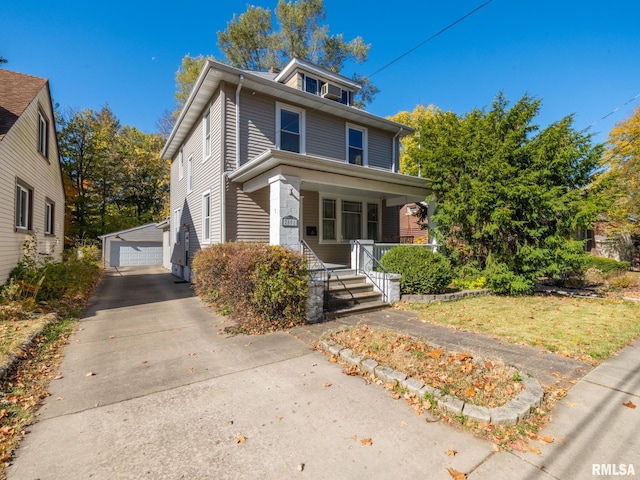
[[315, 87]]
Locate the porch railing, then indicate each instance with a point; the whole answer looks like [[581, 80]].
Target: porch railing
[[370, 266], [318, 271]]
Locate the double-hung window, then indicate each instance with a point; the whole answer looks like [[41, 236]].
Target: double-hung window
[[177, 213], [190, 174], [24, 206], [49, 217], [329, 220], [291, 129], [356, 145], [351, 220], [206, 217], [42, 134], [206, 136], [181, 164]]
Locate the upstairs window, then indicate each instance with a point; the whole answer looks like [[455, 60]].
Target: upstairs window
[[24, 206], [291, 126], [190, 174], [42, 134], [181, 165], [206, 135], [356, 145]]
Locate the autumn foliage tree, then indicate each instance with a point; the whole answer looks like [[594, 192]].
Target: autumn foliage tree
[[620, 183], [509, 195]]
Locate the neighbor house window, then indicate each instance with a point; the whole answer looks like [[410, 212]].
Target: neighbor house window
[[356, 145], [206, 135], [206, 217], [190, 174], [181, 164], [291, 125], [49, 211], [42, 134], [176, 225], [24, 206], [329, 219]]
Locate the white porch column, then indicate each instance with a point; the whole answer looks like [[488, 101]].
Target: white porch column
[[284, 216]]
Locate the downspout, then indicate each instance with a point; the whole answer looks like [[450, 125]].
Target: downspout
[[225, 174], [396, 152]]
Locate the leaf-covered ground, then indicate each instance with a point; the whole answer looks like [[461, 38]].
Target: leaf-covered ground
[[480, 381]]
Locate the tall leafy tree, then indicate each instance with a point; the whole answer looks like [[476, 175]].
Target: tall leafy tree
[[620, 184], [509, 195], [250, 42]]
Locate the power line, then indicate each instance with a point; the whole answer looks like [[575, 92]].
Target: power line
[[613, 111], [431, 37]]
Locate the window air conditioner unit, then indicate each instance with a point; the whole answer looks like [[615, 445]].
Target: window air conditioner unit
[[332, 92]]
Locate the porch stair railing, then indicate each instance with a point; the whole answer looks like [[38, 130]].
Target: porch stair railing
[[368, 264], [318, 271]]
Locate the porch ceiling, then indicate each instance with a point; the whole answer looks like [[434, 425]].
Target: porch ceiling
[[330, 176]]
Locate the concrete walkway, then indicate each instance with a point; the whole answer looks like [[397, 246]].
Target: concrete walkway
[[150, 388]]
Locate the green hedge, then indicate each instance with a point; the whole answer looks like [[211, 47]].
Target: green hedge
[[422, 270], [264, 288], [607, 265]]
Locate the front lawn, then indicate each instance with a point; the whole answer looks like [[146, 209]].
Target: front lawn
[[590, 330]]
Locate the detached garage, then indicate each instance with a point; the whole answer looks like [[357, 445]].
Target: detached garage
[[135, 246]]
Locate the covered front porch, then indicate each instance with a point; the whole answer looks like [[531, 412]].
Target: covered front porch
[[328, 203]]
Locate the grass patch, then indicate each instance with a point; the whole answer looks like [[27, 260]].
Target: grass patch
[[590, 330], [482, 382]]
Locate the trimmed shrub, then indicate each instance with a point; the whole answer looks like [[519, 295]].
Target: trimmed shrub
[[502, 281], [264, 288], [607, 265], [422, 270]]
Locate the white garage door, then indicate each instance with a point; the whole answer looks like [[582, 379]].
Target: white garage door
[[125, 254]]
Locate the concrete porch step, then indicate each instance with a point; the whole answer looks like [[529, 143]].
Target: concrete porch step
[[355, 309]]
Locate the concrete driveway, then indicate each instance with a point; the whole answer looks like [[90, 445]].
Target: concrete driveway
[[151, 388]]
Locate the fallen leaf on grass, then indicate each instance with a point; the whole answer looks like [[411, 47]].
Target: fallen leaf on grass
[[366, 441], [451, 453], [629, 404], [456, 474], [470, 392]]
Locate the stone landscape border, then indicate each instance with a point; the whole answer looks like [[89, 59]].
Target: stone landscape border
[[514, 411]]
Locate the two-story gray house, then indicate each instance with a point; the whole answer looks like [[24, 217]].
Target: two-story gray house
[[279, 158]]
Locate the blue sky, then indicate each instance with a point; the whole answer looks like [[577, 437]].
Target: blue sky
[[579, 57]]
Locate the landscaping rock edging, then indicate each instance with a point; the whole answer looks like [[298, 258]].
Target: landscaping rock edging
[[514, 411], [444, 297]]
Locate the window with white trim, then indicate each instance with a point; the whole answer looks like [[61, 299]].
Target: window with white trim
[[24, 206], [356, 145], [42, 134], [329, 221], [206, 217], [206, 135], [190, 174], [49, 216], [290, 134], [181, 164], [345, 219], [177, 213]]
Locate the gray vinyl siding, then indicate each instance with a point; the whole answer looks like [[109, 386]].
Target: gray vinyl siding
[[257, 125], [380, 149], [229, 118], [247, 215], [19, 158], [326, 137], [327, 252]]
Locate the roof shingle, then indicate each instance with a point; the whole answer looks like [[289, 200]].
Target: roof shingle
[[17, 91]]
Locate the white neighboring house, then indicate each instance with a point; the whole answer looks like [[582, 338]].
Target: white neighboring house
[[279, 158], [31, 187], [133, 247]]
